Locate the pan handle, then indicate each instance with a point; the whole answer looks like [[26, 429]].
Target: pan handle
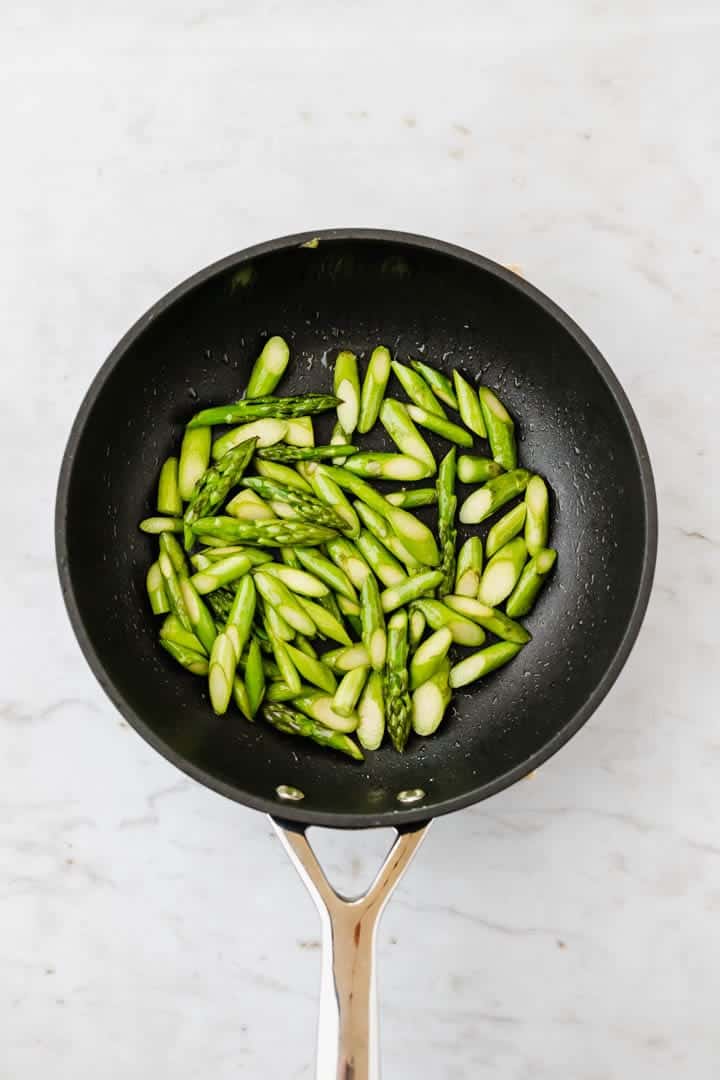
[[348, 1045]]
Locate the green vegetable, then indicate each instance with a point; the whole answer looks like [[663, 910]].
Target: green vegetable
[[269, 368], [489, 498], [357, 487], [172, 548], [313, 670], [447, 532], [500, 429], [411, 589], [430, 701], [240, 619], [475, 470], [194, 459], [388, 466], [396, 420], [168, 499], [371, 711], [383, 532], [282, 474], [263, 533], [346, 383], [327, 623], [300, 432], [349, 690], [195, 663], [507, 527], [497, 622], [305, 506], [213, 487], [307, 453], [200, 618], [409, 498], [482, 663], [330, 493], [293, 722], [289, 558], [157, 594], [464, 631], [297, 581], [397, 698], [385, 566], [429, 656], [469, 567], [288, 672], [221, 573], [469, 405], [416, 627], [537, 522], [173, 590], [154, 526], [247, 506], [326, 571], [254, 677], [241, 697], [347, 659], [452, 432], [339, 439], [417, 389], [414, 535], [264, 432], [223, 662], [173, 630], [319, 706], [373, 622], [276, 623], [373, 388], [532, 579], [282, 601], [439, 383], [220, 603], [348, 558], [502, 573], [265, 408]]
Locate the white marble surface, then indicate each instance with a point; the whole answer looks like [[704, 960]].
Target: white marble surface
[[569, 929]]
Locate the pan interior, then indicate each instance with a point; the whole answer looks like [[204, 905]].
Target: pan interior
[[355, 293]]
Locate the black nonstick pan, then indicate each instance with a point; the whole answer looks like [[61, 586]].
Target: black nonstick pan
[[354, 289]]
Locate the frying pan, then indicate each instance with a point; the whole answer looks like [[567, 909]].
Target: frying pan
[[354, 289]]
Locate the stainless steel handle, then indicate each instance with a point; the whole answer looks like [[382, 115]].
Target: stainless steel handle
[[348, 1043]]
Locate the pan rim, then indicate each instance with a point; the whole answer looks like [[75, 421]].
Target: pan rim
[[410, 815]]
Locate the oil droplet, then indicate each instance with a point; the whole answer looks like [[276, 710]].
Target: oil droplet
[[411, 795], [289, 793]]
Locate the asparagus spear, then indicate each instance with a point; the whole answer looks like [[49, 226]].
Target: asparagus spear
[[307, 453], [265, 432], [221, 676], [430, 701], [373, 623], [326, 622], [475, 470], [346, 384], [411, 589], [532, 579], [240, 619], [263, 533], [194, 459], [500, 429], [173, 590], [297, 581], [339, 439], [348, 558], [469, 567], [416, 627], [300, 432], [464, 631], [221, 573], [289, 557], [220, 603], [319, 706], [213, 487], [306, 506], [282, 601], [288, 672], [452, 432], [538, 512], [429, 656], [280, 692], [417, 389], [414, 535], [254, 677], [268, 406], [410, 498], [282, 474], [242, 698], [313, 670], [172, 549], [268, 369], [349, 691], [326, 571], [447, 507], [154, 526], [347, 658], [255, 556], [168, 499], [371, 711], [200, 618], [157, 594], [397, 698], [357, 487], [295, 723], [173, 630], [482, 663], [469, 405], [276, 623], [387, 466], [248, 506], [502, 573], [439, 383], [373, 388], [396, 420], [505, 529], [329, 492], [381, 529], [497, 622], [194, 662], [385, 566], [486, 500]]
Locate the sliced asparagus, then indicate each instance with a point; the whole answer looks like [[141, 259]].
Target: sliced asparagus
[[410, 498], [157, 594], [395, 689], [502, 573], [482, 663], [373, 622], [265, 432], [263, 533], [493, 495], [396, 420], [475, 470], [439, 383], [411, 589], [194, 662], [505, 529], [538, 515], [194, 459], [268, 369], [346, 383], [349, 690], [293, 722], [385, 566], [447, 430], [430, 701], [169, 500], [497, 622], [500, 429], [384, 466], [417, 389], [373, 388], [371, 711], [532, 579], [464, 631], [469, 405], [429, 656], [447, 532], [469, 567]]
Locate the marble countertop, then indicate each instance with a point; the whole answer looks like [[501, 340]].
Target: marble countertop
[[569, 928]]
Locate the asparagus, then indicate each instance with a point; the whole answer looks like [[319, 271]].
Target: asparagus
[[194, 459], [242, 698], [240, 619], [385, 566], [346, 384], [173, 550], [429, 656], [277, 624], [452, 432], [254, 677], [414, 535], [502, 573], [373, 388], [411, 589], [248, 506], [409, 498], [280, 691], [416, 627], [486, 500], [329, 603], [339, 439], [500, 429], [381, 529], [307, 453], [319, 706], [283, 603], [447, 532], [305, 646], [223, 663], [430, 701], [173, 630], [505, 529], [417, 389], [532, 579], [297, 581], [469, 567], [265, 432], [154, 526], [194, 662], [326, 572], [201, 620], [464, 631], [288, 672], [306, 506], [313, 670], [268, 369], [349, 691], [295, 723], [221, 573], [497, 622], [213, 487], [396, 420], [220, 603], [289, 558], [538, 512], [397, 698], [373, 622], [327, 623], [157, 594], [371, 711], [482, 663], [388, 466], [300, 432], [168, 499], [263, 533], [173, 590], [348, 558], [357, 487], [475, 470], [439, 383], [282, 474], [268, 407], [347, 658], [330, 493], [255, 556], [469, 405]]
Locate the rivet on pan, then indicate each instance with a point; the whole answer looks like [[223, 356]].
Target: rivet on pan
[[411, 795], [290, 794]]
